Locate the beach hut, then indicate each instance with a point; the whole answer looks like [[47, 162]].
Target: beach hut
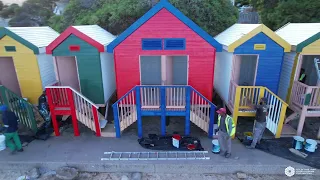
[[157, 60], [81, 62], [25, 68], [302, 94], [249, 68]]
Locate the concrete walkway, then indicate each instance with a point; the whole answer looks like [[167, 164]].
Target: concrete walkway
[[85, 153]]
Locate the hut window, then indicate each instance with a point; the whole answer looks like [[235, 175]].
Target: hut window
[[74, 48], [151, 44], [175, 44], [10, 48]]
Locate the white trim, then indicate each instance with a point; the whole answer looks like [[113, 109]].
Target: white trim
[[75, 58]]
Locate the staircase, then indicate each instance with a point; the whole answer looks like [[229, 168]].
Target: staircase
[[64, 100], [163, 101], [25, 111], [238, 104]]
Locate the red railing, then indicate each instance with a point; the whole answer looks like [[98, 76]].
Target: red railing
[[63, 100]]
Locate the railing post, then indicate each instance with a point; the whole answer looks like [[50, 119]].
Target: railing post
[[96, 121], [188, 105], [261, 94], [211, 123], [236, 107], [116, 120], [31, 117], [73, 112], [281, 120], [53, 116], [139, 120], [163, 110]]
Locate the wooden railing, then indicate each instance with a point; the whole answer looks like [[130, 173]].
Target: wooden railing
[[246, 96], [64, 99], [300, 93], [197, 108], [23, 109], [232, 92]]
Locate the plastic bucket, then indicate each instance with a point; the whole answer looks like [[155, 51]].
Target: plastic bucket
[[311, 145], [248, 136], [2, 142], [215, 146], [176, 140], [297, 142]]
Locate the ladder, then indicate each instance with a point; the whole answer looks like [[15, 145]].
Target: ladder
[[154, 155], [317, 65]]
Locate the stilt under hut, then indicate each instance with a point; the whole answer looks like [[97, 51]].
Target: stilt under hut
[[249, 68], [301, 90]]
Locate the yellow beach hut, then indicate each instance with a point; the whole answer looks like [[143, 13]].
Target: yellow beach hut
[[25, 68]]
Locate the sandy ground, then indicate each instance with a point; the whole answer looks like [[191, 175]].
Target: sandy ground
[[12, 175]]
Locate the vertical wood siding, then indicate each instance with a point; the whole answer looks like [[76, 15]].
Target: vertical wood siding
[[165, 25], [222, 74], [286, 75], [270, 60], [89, 67], [108, 74], [27, 69], [45, 63]]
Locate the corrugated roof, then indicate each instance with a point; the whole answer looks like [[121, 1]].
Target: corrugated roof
[[38, 36], [295, 33], [234, 33], [96, 33]]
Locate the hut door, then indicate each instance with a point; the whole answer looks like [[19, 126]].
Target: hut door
[[245, 70], [150, 70], [8, 75], [174, 70], [68, 72]]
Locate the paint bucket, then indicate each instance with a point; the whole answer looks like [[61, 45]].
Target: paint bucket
[[2, 142], [215, 146], [248, 136], [176, 140], [297, 142], [311, 145]]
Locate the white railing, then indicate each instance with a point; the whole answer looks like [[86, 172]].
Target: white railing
[[150, 97], [315, 97], [176, 97], [200, 110], [232, 93], [298, 93]]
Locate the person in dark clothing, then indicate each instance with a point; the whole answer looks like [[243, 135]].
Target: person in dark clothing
[[10, 121], [43, 108], [302, 76], [260, 121]]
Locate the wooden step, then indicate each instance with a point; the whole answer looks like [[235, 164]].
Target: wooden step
[[288, 131]]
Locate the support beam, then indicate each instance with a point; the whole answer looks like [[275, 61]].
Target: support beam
[[301, 120]]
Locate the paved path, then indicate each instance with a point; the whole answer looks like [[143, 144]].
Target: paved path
[[85, 153]]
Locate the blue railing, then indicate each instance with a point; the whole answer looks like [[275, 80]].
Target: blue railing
[[164, 101]]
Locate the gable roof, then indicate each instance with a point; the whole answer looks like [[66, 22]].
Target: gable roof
[[299, 35], [238, 34], [32, 37], [92, 34], [166, 5]]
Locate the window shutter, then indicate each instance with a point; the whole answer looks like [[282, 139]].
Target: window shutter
[[175, 44], [151, 44]]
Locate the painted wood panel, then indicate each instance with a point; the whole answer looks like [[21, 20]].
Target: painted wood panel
[[180, 70], [67, 72], [108, 75], [150, 68], [313, 48], [89, 67], [222, 74], [285, 77], [46, 67], [270, 60], [165, 25], [26, 66]]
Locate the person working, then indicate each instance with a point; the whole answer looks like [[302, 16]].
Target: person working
[[226, 131], [302, 76], [260, 121], [10, 121]]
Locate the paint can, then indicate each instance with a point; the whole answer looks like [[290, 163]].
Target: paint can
[[176, 140], [2, 142], [311, 145], [215, 146], [297, 142]]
